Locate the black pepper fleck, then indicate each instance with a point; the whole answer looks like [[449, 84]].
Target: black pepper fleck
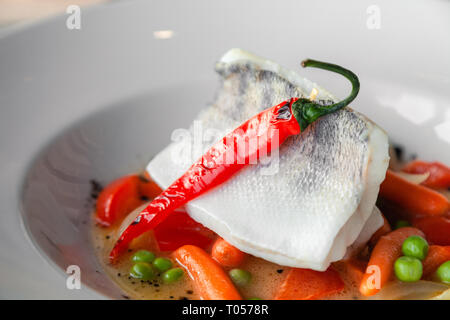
[[280, 270], [398, 152], [96, 188]]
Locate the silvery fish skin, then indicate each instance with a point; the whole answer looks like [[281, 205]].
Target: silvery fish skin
[[304, 210]]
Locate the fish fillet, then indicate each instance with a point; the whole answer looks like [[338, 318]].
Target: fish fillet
[[303, 208]]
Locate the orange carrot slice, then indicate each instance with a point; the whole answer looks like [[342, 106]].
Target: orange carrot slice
[[415, 198], [381, 264], [306, 284], [437, 255], [226, 254], [209, 278]]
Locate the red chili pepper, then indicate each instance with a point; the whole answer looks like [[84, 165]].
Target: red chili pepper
[[267, 130], [439, 173]]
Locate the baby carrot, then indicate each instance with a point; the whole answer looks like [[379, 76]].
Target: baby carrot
[[439, 177], [381, 264], [437, 255], [437, 229], [415, 198], [226, 254], [209, 278], [307, 284]]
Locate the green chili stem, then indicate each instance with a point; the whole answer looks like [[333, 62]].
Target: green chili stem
[[353, 78], [307, 111]]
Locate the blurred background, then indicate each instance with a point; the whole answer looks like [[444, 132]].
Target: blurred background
[[25, 11]]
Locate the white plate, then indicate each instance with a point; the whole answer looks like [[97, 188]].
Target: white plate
[[51, 78]]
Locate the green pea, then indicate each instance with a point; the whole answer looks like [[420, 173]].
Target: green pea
[[240, 277], [142, 271], [143, 256], [408, 269], [172, 275], [162, 264], [443, 272], [416, 247], [255, 298], [401, 223]]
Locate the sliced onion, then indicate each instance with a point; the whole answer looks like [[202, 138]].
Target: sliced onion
[[130, 218], [445, 193], [413, 177], [443, 296], [420, 290]]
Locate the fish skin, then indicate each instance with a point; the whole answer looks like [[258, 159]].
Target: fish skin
[[315, 206]]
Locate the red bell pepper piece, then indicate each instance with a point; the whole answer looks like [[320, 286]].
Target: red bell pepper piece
[[149, 189], [179, 229], [118, 199], [437, 229], [267, 130], [439, 177], [123, 195]]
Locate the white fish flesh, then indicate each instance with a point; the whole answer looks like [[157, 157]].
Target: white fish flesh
[[308, 208]]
